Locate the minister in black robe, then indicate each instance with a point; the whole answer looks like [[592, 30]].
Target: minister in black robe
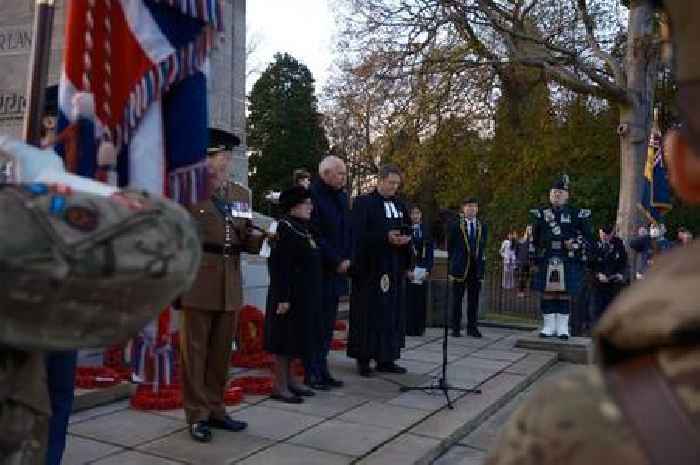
[[380, 257]]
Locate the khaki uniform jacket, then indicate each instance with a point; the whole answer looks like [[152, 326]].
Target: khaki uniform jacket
[[218, 285], [575, 419]]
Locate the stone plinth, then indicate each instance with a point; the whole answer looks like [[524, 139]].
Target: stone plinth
[[575, 349]]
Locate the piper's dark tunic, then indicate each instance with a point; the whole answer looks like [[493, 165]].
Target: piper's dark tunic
[[377, 316], [295, 277]]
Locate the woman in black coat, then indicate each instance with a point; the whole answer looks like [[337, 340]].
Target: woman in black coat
[[292, 317]]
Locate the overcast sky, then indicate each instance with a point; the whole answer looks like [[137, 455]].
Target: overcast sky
[[303, 28]]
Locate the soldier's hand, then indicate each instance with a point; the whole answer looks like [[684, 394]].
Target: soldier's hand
[[602, 278], [282, 308]]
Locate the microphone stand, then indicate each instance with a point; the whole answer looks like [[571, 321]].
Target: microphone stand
[[442, 384]]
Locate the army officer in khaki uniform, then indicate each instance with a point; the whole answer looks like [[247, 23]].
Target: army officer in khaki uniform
[[209, 308]]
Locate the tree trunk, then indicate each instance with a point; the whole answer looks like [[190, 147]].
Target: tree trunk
[[641, 63]]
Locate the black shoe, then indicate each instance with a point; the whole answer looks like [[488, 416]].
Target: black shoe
[[391, 368], [301, 392], [564, 337], [332, 382], [456, 333], [227, 423], [200, 431], [294, 399], [364, 369], [474, 332]]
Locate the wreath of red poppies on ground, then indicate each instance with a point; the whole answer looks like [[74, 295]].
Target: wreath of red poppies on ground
[[96, 377], [167, 397], [254, 385], [233, 395]]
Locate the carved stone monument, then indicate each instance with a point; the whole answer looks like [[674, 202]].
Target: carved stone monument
[[227, 70]]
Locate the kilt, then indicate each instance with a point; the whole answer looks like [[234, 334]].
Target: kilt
[[574, 276]]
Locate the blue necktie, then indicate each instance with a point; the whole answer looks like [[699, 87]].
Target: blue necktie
[[472, 239]]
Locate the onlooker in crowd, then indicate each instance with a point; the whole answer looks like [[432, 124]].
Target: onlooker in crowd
[[685, 237], [302, 177], [649, 244], [509, 261], [331, 219], [292, 317], [417, 279], [466, 248], [523, 253], [380, 260], [639, 405], [609, 266], [210, 306]]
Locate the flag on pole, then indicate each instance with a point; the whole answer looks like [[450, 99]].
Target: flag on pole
[[141, 63], [133, 92], [656, 193]]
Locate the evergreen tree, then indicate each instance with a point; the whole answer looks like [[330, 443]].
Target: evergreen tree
[[284, 126]]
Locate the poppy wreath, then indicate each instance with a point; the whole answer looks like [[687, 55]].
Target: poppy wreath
[[95, 377], [297, 368], [251, 327], [340, 325], [167, 397], [254, 385], [338, 344], [233, 395], [114, 359], [258, 360]]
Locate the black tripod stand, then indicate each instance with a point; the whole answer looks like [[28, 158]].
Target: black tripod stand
[[441, 384]]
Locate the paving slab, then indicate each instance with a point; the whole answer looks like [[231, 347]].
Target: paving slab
[[133, 458], [461, 455], [323, 404], [344, 438], [402, 450], [531, 362], [495, 354], [225, 448], [418, 367], [384, 415], [98, 411], [81, 450], [276, 424], [290, 454], [452, 349], [127, 427], [89, 398], [423, 355]]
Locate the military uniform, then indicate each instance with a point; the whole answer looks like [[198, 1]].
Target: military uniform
[[577, 419], [211, 305], [610, 260], [560, 238]]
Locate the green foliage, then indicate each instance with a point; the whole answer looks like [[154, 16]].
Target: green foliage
[[284, 126]]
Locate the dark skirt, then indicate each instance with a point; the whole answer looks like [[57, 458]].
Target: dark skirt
[[416, 308]]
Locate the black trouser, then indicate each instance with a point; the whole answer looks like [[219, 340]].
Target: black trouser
[[473, 287], [603, 295]]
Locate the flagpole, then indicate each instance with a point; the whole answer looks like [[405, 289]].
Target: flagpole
[[38, 70]]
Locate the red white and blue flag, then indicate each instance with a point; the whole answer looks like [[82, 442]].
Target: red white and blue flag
[[142, 63], [134, 80]]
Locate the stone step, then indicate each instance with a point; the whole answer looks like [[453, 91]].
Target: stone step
[[574, 350]]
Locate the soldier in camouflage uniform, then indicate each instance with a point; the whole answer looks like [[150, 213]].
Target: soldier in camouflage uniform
[[641, 404], [81, 265], [560, 234]]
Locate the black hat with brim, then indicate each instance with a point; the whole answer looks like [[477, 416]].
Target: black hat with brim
[[293, 197], [470, 200], [561, 183], [220, 140]]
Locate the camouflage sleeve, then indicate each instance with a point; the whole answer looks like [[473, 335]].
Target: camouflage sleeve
[[570, 419]]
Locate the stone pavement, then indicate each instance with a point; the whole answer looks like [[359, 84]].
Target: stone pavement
[[473, 448], [367, 422]]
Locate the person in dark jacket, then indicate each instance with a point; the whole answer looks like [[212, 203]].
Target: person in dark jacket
[[331, 219], [523, 255], [417, 279], [293, 308], [608, 267], [381, 257], [466, 245]]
